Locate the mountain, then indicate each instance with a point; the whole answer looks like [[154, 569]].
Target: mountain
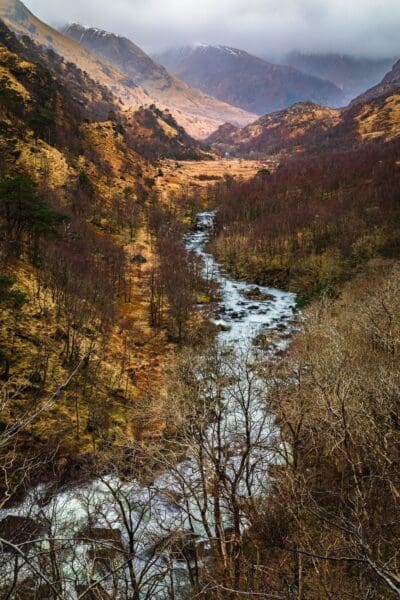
[[284, 129], [351, 74], [244, 80], [389, 85], [122, 53], [19, 19], [308, 127], [198, 113], [76, 192], [192, 108], [71, 195]]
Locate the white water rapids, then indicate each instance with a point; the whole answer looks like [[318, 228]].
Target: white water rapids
[[244, 312], [242, 319]]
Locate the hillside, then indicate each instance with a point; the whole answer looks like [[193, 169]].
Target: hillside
[[298, 239], [286, 129], [77, 346], [389, 85], [23, 22], [156, 135], [199, 114], [375, 115], [241, 79], [313, 222], [351, 74], [190, 107]]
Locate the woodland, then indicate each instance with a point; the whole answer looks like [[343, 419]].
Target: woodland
[[150, 460]]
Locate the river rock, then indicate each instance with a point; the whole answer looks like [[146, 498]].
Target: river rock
[[222, 325], [256, 294], [234, 315]]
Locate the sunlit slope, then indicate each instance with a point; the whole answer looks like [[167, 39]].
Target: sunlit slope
[[198, 113], [192, 108], [23, 22]]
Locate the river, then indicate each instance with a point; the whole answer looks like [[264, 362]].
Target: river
[[245, 310], [148, 514]]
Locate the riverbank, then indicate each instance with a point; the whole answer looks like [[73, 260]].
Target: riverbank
[[167, 507]]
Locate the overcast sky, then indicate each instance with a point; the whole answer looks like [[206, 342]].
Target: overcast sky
[[267, 27]]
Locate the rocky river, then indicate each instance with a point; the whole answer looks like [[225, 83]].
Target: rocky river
[[132, 519]]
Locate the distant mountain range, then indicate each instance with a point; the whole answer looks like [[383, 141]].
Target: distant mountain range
[[244, 80], [202, 88], [193, 109]]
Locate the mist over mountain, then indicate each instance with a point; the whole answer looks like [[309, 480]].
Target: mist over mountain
[[351, 74], [244, 80], [194, 110], [263, 27], [199, 300], [373, 116]]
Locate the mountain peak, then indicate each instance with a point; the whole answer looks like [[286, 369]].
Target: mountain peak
[[159, 84], [87, 30], [119, 51], [15, 9], [218, 48], [126, 70], [249, 82]]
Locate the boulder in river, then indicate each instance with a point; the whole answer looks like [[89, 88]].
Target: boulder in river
[[222, 325], [255, 293], [234, 315]]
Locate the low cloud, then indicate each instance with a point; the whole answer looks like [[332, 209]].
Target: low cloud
[[264, 27]]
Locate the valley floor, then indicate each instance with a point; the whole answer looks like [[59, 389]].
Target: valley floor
[[179, 176]]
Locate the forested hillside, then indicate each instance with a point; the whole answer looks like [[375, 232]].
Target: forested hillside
[[311, 129], [315, 221], [81, 343], [199, 356]]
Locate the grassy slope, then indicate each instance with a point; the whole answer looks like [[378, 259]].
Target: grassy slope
[[198, 113], [117, 398]]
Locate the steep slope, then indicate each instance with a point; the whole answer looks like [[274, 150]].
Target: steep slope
[[23, 22], [307, 127], [123, 54], [289, 129], [247, 81], [198, 113], [192, 108], [389, 85], [351, 74], [156, 135], [72, 305]]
